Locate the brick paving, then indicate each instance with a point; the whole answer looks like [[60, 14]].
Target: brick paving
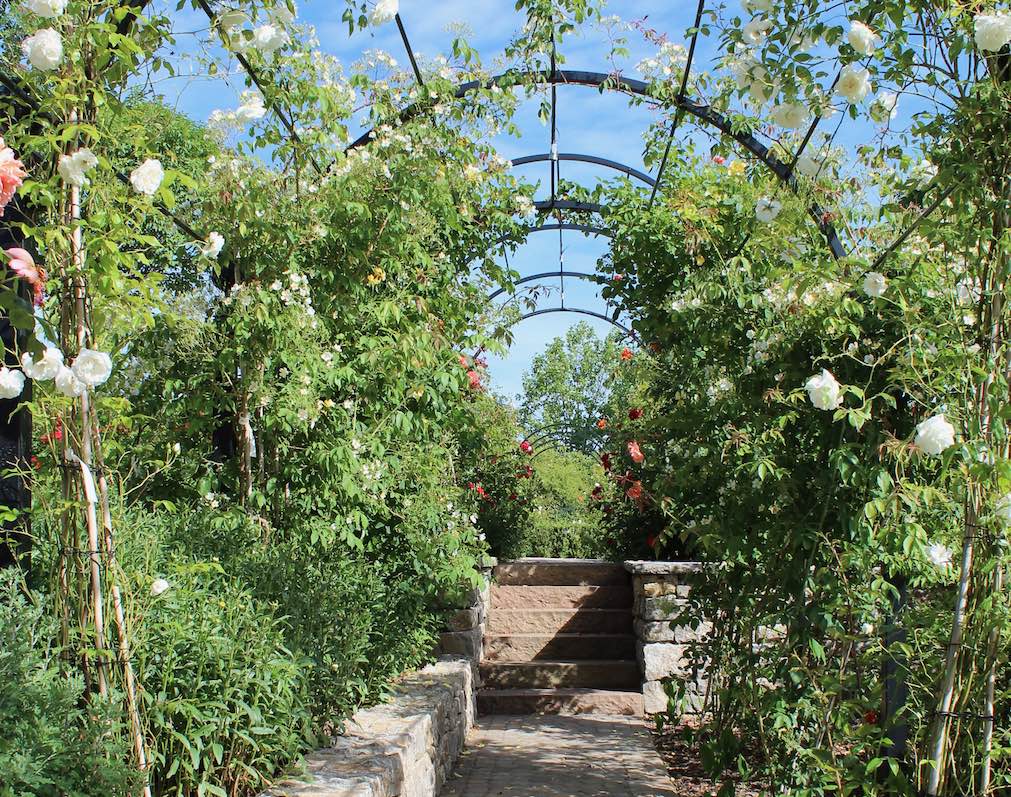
[[558, 756]]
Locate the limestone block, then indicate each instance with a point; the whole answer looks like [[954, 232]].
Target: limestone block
[[654, 588], [665, 607], [463, 643], [668, 632], [465, 619], [683, 570], [662, 659]]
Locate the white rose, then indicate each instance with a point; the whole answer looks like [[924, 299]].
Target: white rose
[[875, 284], [47, 9], [251, 109], [756, 30], [73, 168], [885, 107], [159, 586], [939, 555], [92, 367], [283, 15], [47, 367], [11, 383], [147, 177], [790, 115], [862, 39], [1004, 510], [767, 209], [807, 165], [384, 11], [993, 31], [269, 39], [923, 173], [213, 246], [823, 390], [44, 50], [934, 435], [68, 384], [854, 83]]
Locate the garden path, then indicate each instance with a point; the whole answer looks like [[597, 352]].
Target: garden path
[[559, 756]]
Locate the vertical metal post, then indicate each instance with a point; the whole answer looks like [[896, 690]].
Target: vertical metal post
[[15, 436]]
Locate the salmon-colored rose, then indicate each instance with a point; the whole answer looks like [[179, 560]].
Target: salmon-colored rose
[[12, 175], [635, 452]]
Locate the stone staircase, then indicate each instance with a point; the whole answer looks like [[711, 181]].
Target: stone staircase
[[559, 640]]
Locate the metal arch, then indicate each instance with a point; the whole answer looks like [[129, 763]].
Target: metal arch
[[601, 80], [628, 332], [547, 432], [582, 158], [544, 275], [547, 205]]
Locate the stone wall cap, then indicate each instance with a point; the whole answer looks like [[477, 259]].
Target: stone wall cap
[[642, 567], [543, 560]]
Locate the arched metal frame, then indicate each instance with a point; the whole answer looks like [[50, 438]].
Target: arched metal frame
[[533, 313], [612, 82], [544, 275], [583, 158]]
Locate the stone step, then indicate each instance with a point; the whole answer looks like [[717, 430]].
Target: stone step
[[534, 572], [552, 621], [564, 597], [616, 674], [560, 701], [537, 647]]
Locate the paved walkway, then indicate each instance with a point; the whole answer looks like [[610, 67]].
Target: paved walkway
[[552, 756]]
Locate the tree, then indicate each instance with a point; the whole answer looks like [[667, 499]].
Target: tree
[[572, 385]]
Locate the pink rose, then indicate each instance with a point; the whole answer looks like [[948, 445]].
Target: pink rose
[[12, 175], [23, 264]]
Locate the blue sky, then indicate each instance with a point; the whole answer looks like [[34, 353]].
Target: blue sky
[[588, 122]]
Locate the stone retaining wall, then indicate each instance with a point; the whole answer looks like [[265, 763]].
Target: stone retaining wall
[[406, 747], [464, 634], [660, 591]]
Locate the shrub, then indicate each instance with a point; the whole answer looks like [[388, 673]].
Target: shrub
[[52, 741], [225, 700]]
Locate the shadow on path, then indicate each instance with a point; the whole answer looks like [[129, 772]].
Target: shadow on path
[[553, 756]]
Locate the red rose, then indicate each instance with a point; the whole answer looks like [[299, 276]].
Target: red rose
[[605, 462], [626, 353], [602, 424], [634, 414], [474, 378], [871, 717], [526, 448], [36, 463], [635, 491], [618, 277]]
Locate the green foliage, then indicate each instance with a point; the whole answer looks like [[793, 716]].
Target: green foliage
[[574, 383], [566, 520], [225, 699], [51, 742]]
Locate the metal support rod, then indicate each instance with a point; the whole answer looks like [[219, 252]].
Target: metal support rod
[[255, 77], [410, 51], [678, 113]]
